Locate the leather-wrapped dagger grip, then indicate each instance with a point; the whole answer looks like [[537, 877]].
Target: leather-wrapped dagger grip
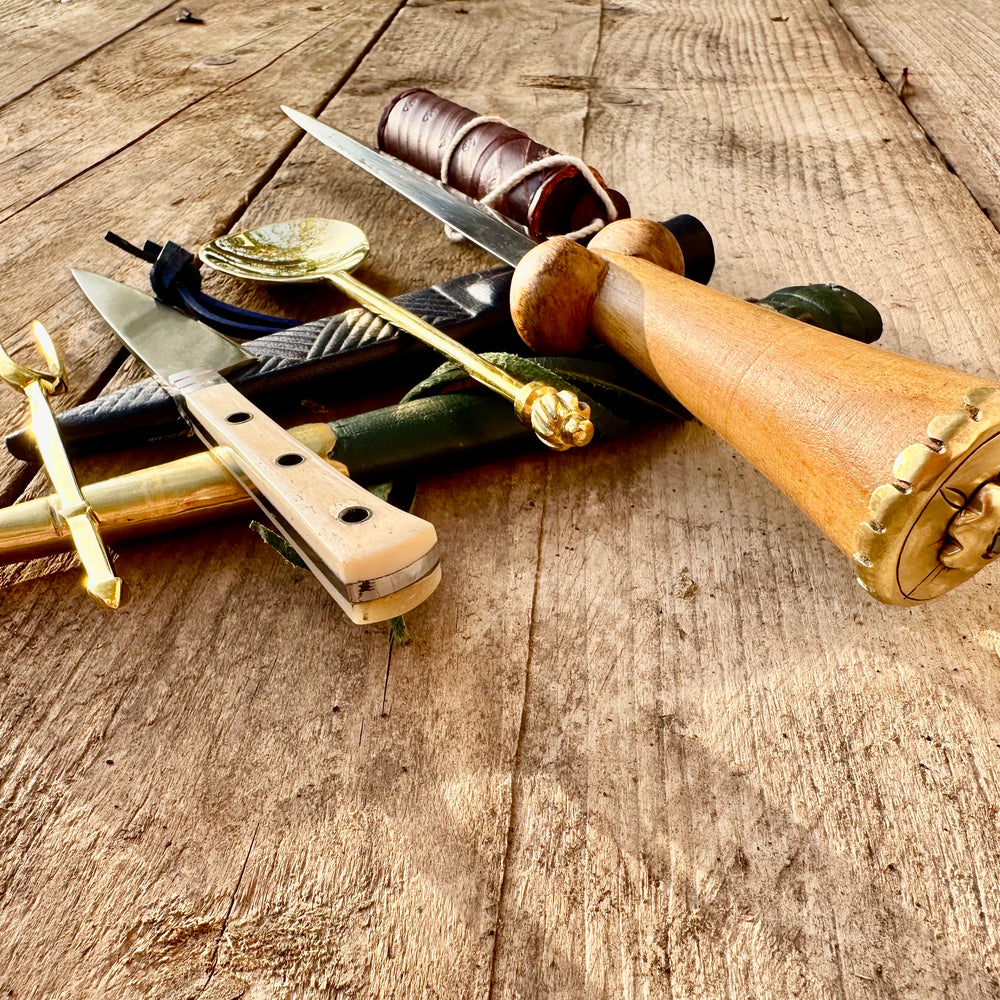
[[418, 127]]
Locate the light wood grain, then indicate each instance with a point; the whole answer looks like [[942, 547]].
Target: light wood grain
[[772, 828], [649, 739], [228, 898], [168, 70], [47, 38], [940, 59]]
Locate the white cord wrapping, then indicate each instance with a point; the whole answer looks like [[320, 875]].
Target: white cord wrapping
[[555, 160]]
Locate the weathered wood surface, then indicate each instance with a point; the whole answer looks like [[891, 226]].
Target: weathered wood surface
[[46, 38], [941, 58], [649, 739]]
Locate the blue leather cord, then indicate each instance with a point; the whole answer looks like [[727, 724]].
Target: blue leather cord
[[176, 280]]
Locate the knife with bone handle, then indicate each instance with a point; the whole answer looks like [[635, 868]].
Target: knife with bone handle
[[893, 458], [375, 560]]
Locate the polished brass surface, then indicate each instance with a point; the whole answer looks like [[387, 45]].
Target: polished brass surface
[[558, 418], [326, 249], [186, 491], [934, 525], [973, 533], [70, 506]]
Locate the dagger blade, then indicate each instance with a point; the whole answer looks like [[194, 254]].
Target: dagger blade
[[471, 218]]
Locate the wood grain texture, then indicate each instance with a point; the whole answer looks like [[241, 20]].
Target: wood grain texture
[[940, 59], [394, 820], [649, 739], [47, 38]]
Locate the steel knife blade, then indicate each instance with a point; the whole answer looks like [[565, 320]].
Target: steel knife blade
[[471, 218], [374, 559]]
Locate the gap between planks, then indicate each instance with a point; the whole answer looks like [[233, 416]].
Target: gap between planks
[[268, 175], [899, 93]]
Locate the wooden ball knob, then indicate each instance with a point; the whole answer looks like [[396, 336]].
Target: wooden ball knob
[[555, 285], [552, 293], [641, 238]]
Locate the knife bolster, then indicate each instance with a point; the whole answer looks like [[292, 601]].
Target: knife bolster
[[190, 380]]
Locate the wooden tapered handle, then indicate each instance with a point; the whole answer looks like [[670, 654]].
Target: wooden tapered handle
[[831, 422]]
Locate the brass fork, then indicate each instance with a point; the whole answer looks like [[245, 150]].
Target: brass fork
[[72, 508]]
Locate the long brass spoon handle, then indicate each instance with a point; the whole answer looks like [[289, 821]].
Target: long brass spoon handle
[[559, 419]]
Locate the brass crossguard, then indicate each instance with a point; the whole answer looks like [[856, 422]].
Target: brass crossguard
[[72, 508]]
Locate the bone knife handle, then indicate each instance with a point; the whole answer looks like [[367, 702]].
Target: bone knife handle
[[375, 560]]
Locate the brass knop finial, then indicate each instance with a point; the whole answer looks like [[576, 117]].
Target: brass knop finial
[[559, 419]]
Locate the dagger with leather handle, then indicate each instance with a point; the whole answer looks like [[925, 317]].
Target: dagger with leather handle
[[375, 560], [893, 458]]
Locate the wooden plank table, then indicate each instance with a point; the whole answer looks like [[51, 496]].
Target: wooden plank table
[[649, 738]]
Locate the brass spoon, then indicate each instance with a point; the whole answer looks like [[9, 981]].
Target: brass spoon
[[327, 250]]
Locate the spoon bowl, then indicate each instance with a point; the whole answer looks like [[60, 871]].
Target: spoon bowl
[[250, 271], [298, 250]]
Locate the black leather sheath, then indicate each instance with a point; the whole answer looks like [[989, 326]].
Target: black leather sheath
[[307, 361]]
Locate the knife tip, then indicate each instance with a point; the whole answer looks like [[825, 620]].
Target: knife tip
[[86, 280]]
